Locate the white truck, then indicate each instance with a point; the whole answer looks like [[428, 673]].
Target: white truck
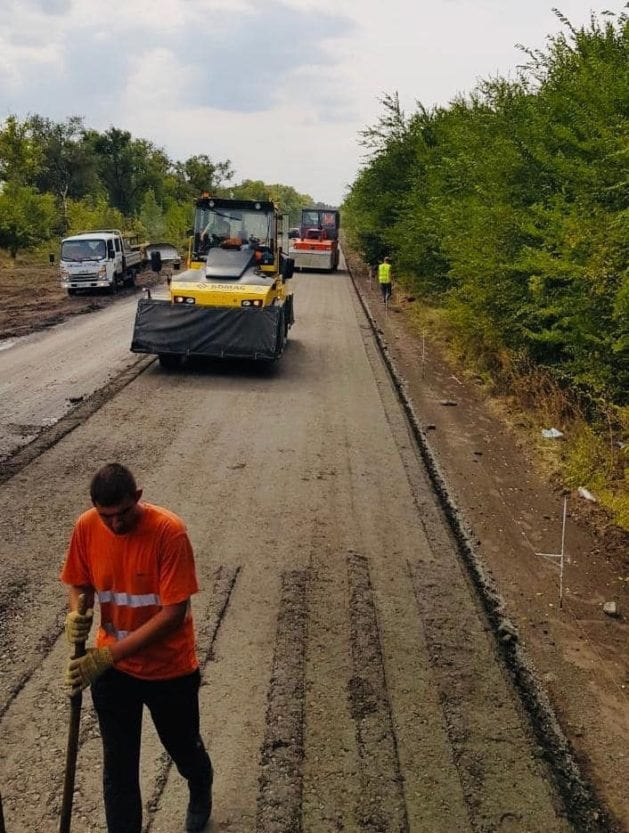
[[99, 259]]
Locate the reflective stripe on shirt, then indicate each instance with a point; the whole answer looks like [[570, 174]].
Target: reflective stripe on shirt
[[128, 599], [109, 628]]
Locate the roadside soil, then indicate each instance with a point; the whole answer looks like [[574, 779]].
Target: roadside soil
[[32, 297], [514, 513]]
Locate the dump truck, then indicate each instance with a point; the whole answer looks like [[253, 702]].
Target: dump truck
[[99, 259], [317, 245], [232, 300]]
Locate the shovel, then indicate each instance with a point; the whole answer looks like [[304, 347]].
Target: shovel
[[76, 702]]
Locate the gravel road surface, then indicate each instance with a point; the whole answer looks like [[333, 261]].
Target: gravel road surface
[[44, 375], [351, 681]]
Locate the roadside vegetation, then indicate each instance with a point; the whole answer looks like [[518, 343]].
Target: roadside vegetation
[[57, 178], [506, 215]]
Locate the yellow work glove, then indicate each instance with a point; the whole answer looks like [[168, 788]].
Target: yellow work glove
[[77, 626], [82, 671]]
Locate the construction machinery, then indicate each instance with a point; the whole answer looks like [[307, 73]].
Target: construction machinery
[[317, 246], [103, 259], [233, 300]]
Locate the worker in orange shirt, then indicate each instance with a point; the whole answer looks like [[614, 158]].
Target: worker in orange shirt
[[136, 560]]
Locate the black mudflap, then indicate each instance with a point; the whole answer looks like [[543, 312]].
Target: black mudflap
[[212, 332]]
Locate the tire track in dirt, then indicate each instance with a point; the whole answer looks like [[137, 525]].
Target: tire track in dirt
[[279, 806], [380, 774], [483, 728]]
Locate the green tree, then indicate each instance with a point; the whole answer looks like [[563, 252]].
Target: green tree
[[177, 220], [199, 173], [26, 217], [288, 200], [20, 155], [510, 208], [68, 169], [376, 199], [92, 213], [152, 217], [128, 168]]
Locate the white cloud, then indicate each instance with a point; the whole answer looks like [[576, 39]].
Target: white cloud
[[155, 79], [29, 48], [280, 87]]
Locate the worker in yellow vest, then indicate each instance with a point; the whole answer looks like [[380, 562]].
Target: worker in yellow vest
[[384, 279]]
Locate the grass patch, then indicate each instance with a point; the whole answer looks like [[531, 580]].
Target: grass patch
[[594, 451]]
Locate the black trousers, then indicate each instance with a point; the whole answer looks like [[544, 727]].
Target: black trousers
[[174, 706], [386, 289]]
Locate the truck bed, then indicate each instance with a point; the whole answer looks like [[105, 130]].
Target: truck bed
[[133, 257]]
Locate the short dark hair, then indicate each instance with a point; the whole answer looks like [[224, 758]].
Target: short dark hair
[[112, 484]]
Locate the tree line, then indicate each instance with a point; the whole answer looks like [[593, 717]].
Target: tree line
[[508, 209], [59, 177]]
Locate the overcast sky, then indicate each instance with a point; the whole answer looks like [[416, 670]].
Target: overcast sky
[[281, 88]]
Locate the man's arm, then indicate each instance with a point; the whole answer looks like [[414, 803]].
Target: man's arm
[[83, 671], [169, 618]]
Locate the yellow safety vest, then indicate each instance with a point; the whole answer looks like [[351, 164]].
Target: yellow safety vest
[[384, 273]]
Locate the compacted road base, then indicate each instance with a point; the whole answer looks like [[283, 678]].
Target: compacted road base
[[351, 682]]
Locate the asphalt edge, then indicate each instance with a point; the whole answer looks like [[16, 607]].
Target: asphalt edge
[[582, 807]]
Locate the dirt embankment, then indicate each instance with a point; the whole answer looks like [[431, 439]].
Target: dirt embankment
[[31, 297]]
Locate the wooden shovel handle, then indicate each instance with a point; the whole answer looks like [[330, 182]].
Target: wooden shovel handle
[[73, 737], [2, 827]]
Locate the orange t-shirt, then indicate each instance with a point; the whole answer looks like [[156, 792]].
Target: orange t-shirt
[[134, 576]]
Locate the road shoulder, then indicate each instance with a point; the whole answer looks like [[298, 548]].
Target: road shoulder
[[514, 514]]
